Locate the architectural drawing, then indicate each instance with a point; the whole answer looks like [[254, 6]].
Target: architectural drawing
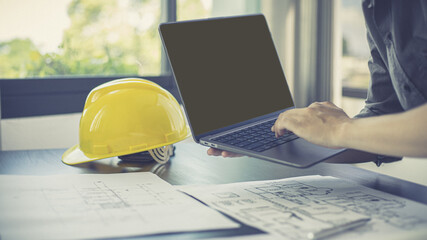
[[291, 208], [93, 206]]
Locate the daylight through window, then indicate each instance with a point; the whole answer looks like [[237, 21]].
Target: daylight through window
[[79, 37]]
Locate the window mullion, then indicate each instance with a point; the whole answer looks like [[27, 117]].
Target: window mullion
[[169, 13]]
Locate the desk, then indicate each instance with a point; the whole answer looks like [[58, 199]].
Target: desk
[[191, 165]]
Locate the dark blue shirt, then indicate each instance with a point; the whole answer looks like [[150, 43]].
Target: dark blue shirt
[[397, 37]]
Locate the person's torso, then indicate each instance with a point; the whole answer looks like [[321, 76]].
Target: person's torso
[[399, 31]]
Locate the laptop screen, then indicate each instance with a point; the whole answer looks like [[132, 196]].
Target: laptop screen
[[227, 70]]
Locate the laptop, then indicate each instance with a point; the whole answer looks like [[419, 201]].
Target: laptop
[[233, 88]]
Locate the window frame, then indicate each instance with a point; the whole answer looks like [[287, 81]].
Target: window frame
[[29, 97], [50, 96]]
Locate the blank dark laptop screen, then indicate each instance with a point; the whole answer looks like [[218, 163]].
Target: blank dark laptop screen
[[227, 69]]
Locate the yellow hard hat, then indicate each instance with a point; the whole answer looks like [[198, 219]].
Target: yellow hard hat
[[127, 116]]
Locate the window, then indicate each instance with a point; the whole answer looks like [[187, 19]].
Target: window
[[196, 9], [193, 9], [92, 37], [79, 37], [61, 49], [355, 55], [355, 49]]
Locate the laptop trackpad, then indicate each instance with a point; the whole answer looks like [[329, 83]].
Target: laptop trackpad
[[300, 153]]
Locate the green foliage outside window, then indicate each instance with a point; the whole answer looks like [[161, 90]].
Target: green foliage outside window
[[105, 37]]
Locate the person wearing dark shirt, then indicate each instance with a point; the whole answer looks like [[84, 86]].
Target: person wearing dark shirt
[[393, 122]]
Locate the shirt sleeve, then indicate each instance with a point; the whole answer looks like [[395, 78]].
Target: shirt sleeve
[[382, 98]]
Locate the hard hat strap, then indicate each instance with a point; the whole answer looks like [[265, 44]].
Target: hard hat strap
[[162, 154]]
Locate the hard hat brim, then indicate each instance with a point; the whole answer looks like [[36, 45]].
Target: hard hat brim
[[75, 156]]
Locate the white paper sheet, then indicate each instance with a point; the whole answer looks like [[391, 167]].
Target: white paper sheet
[[98, 206], [291, 208]]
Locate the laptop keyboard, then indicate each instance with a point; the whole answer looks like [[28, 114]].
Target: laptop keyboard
[[256, 138]]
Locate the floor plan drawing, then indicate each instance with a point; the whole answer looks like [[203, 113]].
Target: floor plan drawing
[[292, 208], [94, 206]]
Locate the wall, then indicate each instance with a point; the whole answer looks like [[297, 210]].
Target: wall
[[52, 131]]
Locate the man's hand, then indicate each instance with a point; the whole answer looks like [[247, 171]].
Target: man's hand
[[217, 152], [399, 134], [320, 123]]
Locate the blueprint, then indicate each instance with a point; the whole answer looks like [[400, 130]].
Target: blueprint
[[88, 206], [292, 208]]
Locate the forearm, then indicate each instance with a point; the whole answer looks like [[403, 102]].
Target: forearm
[[403, 134]]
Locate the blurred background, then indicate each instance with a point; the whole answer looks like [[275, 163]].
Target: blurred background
[[53, 52]]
